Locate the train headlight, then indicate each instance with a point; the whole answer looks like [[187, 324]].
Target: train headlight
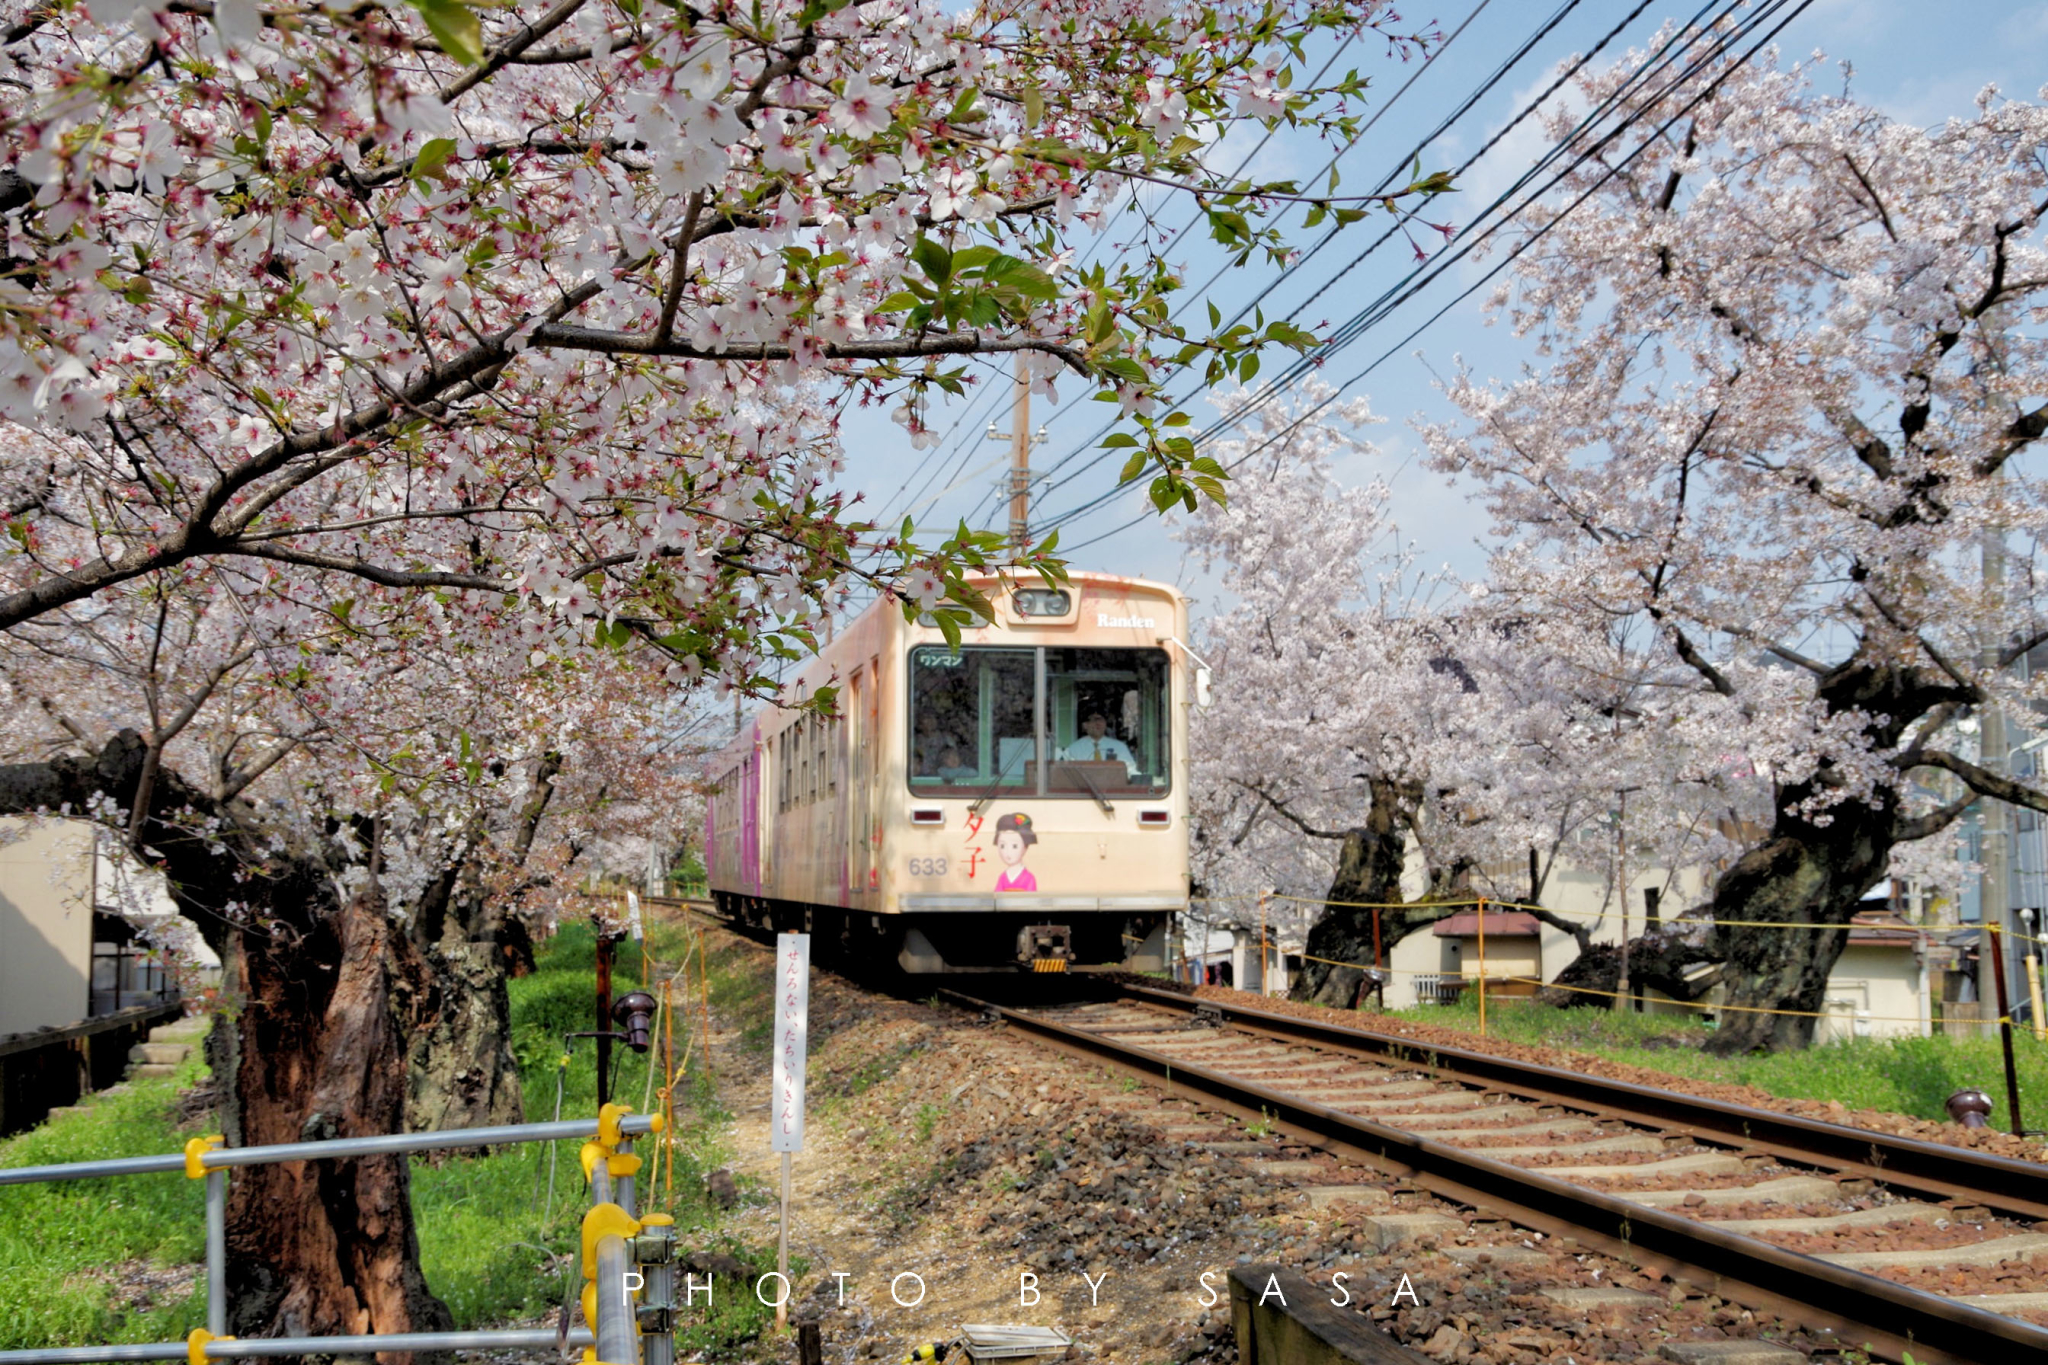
[[1041, 602]]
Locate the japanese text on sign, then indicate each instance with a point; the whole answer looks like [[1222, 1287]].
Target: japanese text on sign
[[792, 1038]]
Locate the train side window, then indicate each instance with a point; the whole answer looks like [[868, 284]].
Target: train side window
[[972, 719]]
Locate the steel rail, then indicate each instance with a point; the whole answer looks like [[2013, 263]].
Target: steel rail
[[1804, 1289], [333, 1149], [2019, 1187]]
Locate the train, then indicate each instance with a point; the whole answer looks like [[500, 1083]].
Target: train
[[1016, 803]]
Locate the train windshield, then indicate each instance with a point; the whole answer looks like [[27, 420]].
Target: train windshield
[[1057, 722]]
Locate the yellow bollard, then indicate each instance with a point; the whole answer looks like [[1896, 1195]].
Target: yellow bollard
[[1482, 966]]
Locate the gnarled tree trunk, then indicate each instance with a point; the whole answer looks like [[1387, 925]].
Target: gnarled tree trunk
[[460, 1068], [322, 1247], [1812, 870], [1805, 874], [462, 1073], [1368, 874]]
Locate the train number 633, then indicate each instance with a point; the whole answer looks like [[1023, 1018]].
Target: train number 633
[[927, 867]]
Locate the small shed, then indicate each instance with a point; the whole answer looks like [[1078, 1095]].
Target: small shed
[[1874, 990], [1513, 949]]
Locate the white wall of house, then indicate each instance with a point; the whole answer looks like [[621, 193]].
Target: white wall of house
[[46, 900], [1873, 992]]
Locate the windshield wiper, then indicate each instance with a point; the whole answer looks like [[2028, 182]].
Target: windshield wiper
[[990, 794], [1093, 790]]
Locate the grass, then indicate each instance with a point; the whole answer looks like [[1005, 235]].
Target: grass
[[493, 1244], [1903, 1075], [58, 1241]]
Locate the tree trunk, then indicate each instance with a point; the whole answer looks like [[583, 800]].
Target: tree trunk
[[1803, 875], [308, 1045], [1659, 961], [460, 1068], [1368, 873], [322, 1247]]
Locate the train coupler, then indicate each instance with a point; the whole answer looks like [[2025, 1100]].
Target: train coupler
[[1045, 947]]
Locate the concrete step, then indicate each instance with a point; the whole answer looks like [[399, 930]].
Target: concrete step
[[1366, 1196], [171, 1053], [1482, 1257], [1536, 1129], [1389, 1230], [1699, 1163], [1634, 1142], [1838, 1222], [2029, 1301], [181, 1030], [1602, 1298], [1731, 1353]]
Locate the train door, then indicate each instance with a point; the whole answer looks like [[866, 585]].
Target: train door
[[750, 821], [860, 737]]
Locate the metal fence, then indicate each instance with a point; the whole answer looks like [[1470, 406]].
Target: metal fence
[[628, 1260]]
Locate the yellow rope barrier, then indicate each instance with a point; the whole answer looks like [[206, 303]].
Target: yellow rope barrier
[[1742, 1009], [1492, 904], [1615, 995]]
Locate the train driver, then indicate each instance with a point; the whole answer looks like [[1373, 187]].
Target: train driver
[[1097, 744]]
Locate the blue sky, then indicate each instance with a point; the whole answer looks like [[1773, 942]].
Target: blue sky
[[1921, 63]]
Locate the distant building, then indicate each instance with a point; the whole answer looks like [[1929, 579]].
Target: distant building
[[91, 952]]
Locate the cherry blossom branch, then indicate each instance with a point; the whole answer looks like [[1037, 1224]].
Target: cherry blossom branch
[[566, 337], [498, 57], [1982, 781]]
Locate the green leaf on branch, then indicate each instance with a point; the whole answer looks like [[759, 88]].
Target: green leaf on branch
[[933, 259], [456, 27], [433, 158]]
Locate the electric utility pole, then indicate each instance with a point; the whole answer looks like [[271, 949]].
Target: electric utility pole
[[1021, 440]]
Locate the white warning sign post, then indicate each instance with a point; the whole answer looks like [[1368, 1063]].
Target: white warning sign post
[[786, 1105]]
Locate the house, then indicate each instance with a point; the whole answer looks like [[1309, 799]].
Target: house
[[90, 951]]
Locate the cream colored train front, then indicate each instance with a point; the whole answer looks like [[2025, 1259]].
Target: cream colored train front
[[1018, 802]]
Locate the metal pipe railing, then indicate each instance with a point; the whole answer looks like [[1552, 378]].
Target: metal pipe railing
[[618, 1336], [233, 1348], [216, 1252], [617, 1318], [329, 1150]]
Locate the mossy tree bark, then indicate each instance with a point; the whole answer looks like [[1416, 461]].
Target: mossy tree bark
[[461, 1071]]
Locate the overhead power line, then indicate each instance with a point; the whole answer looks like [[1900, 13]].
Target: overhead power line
[[1764, 13], [1478, 229]]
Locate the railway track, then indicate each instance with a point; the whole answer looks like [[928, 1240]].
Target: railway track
[[1481, 1154], [1772, 1212]]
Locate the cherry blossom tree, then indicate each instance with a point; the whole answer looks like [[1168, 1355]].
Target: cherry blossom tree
[[1789, 423], [440, 341], [1372, 721], [363, 823], [566, 301]]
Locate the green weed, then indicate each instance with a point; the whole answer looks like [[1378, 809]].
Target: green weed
[[928, 1116], [1910, 1075]]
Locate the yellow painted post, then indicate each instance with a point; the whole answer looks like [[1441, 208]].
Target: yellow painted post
[[1264, 989], [1482, 966], [2034, 990]]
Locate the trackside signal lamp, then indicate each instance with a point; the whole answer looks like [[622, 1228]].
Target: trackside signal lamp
[[635, 1016]]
